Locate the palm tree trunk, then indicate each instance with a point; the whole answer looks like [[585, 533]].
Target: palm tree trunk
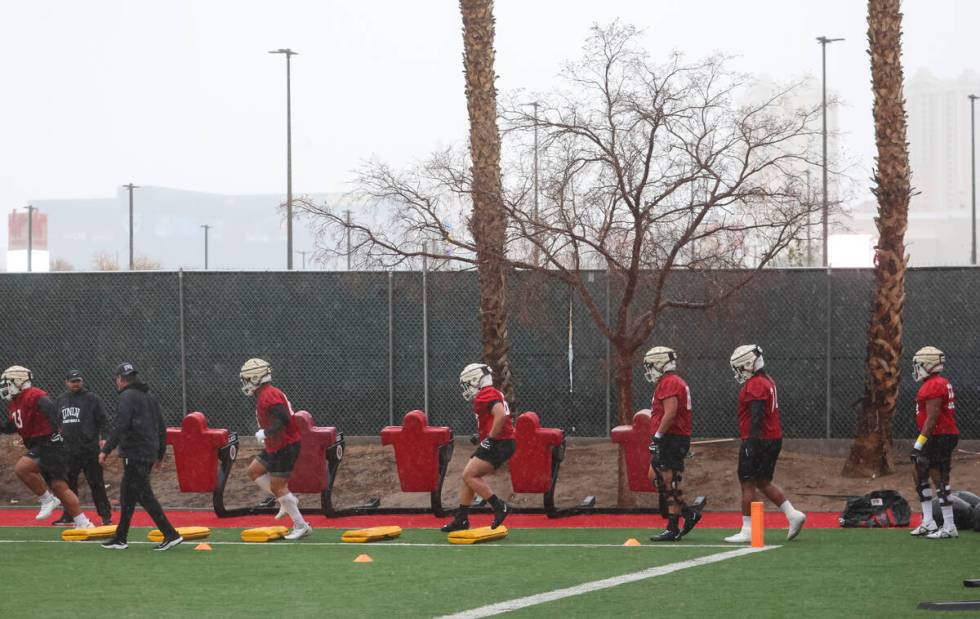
[[488, 222], [871, 451]]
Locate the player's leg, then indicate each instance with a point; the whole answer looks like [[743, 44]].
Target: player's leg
[[279, 466], [939, 473], [28, 469], [923, 488], [766, 461], [461, 519], [96, 484], [71, 476], [128, 495], [671, 483], [484, 462], [53, 463], [746, 480], [146, 498]]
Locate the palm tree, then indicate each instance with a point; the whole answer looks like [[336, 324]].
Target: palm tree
[[871, 451], [488, 222]]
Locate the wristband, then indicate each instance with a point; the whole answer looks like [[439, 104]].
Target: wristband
[[919, 442]]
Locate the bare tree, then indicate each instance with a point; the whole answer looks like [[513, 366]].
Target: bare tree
[[145, 263], [104, 261], [871, 452], [646, 170], [60, 264]]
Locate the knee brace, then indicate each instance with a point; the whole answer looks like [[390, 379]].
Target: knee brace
[[944, 492], [924, 490], [676, 493]]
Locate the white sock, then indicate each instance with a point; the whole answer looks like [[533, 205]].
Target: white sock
[[291, 503], [948, 521], [927, 511], [746, 523], [47, 496], [787, 508], [264, 482], [81, 520]]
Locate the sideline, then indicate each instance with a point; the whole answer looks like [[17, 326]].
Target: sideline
[[286, 544]]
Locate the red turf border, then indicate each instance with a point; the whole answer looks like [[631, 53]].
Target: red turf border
[[24, 517]]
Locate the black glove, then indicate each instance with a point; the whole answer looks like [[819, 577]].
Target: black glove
[[474, 439], [655, 449], [487, 443]]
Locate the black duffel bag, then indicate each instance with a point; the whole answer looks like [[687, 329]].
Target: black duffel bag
[[881, 508]]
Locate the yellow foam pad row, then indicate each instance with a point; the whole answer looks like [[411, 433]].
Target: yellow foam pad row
[[370, 535], [187, 533], [264, 534], [82, 535], [475, 536]]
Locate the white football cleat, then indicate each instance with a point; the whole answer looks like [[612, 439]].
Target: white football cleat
[[298, 533], [925, 529], [47, 507], [796, 520], [282, 512], [742, 537], [85, 525], [943, 533]]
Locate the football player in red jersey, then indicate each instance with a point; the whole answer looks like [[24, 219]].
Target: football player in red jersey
[[278, 436], [762, 440], [671, 420], [932, 454], [497, 444], [34, 415]]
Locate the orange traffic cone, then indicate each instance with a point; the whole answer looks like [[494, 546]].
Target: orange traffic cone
[[363, 559], [203, 547]]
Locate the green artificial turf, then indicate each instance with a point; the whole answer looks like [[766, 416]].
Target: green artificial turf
[[825, 573]]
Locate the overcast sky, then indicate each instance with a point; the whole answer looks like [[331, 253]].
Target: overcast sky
[[182, 93]]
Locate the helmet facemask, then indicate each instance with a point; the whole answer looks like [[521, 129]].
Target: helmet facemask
[[928, 360], [14, 380], [254, 373], [474, 377], [657, 362], [746, 361]]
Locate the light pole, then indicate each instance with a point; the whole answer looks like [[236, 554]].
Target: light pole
[[303, 254], [289, 159], [826, 226], [30, 234], [347, 215], [206, 228], [131, 187], [973, 179]]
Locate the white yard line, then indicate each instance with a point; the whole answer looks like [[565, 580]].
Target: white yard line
[[596, 585], [386, 544]]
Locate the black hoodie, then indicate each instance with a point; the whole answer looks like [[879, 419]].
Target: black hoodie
[[83, 422], [139, 431]]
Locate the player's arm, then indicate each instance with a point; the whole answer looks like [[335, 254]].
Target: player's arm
[[670, 412], [499, 413], [278, 417], [757, 412], [99, 417], [124, 418], [161, 428], [933, 408]]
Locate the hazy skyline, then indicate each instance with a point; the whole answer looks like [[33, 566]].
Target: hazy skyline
[[183, 94]]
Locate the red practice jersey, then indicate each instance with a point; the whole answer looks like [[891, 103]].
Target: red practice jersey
[[266, 398], [670, 385], [29, 419], [936, 386], [759, 387], [482, 405]]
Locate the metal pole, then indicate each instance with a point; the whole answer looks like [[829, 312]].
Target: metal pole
[[826, 224], [809, 231], [130, 187], [391, 350], [289, 168], [973, 180], [534, 214], [425, 327], [830, 315], [30, 236], [347, 214], [608, 356], [183, 349], [206, 228]]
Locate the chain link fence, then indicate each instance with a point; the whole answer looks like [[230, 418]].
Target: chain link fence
[[360, 349]]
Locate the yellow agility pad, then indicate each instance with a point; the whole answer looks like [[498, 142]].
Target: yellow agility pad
[[188, 533], [264, 534], [475, 536], [82, 535], [373, 534]]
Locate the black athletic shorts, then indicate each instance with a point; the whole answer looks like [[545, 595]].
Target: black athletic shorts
[[673, 451], [51, 458], [939, 449], [280, 463], [761, 464], [499, 452]]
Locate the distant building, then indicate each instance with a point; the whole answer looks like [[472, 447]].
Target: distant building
[[22, 237]]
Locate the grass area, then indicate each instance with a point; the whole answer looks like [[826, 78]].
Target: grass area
[[825, 573]]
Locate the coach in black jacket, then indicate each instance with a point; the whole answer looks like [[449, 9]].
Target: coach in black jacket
[[141, 436], [82, 426]]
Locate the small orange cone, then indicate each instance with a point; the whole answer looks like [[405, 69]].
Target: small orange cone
[[363, 559], [202, 547], [632, 542]]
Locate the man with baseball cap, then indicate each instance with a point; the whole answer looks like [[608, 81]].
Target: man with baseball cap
[[83, 425]]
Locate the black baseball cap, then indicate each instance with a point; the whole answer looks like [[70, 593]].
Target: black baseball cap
[[73, 375], [126, 368]]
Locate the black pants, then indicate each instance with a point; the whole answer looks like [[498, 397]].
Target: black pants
[[136, 489], [88, 463]]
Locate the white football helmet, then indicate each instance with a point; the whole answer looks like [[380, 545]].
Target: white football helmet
[[254, 373], [658, 361], [14, 379], [474, 377], [926, 361], [746, 361]]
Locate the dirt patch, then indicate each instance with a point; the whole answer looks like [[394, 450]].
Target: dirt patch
[[808, 470]]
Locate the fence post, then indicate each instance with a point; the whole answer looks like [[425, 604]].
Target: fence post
[[391, 351], [425, 329], [830, 316], [608, 357], [183, 350]]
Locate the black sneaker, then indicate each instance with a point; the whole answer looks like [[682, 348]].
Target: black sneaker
[[64, 521], [167, 544], [107, 521], [115, 544], [499, 515], [691, 519], [667, 536], [456, 525]]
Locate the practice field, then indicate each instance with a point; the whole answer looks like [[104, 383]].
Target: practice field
[[581, 572]]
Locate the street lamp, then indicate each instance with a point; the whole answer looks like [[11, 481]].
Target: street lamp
[[206, 228], [826, 227], [289, 159], [131, 187], [973, 178]]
